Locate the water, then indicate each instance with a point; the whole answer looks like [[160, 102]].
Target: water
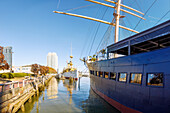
[[62, 96]]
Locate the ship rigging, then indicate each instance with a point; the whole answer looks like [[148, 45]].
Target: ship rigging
[[138, 81], [115, 22]]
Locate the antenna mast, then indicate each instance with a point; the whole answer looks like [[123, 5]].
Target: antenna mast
[[71, 57], [71, 49]]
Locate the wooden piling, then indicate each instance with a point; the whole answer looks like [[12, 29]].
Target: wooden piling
[[30, 99], [22, 108]]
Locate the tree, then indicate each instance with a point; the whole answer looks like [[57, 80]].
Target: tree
[[52, 70], [6, 66], [44, 70], [47, 69], [3, 63], [35, 68]]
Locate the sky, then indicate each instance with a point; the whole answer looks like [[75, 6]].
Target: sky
[[33, 30]]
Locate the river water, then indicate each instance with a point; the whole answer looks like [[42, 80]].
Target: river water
[[62, 96]]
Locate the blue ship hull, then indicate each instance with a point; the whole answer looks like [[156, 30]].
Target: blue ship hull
[[128, 97]]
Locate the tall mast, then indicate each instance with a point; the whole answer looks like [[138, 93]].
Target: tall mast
[[117, 16], [71, 64], [71, 49]]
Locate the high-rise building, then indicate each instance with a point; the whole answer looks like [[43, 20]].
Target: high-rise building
[[7, 52], [52, 60]]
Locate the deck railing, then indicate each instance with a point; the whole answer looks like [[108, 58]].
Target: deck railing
[[21, 83]]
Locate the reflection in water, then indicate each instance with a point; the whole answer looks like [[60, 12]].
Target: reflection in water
[[70, 85], [30, 105], [37, 108], [52, 89], [69, 99]]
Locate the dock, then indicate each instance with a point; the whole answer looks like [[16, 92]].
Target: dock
[[13, 95]]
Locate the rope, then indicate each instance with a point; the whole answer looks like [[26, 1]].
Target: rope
[[58, 4], [138, 5], [162, 17], [79, 7], [92, 30], [102, 40], [94, 38], [97, 31], [105, 34], [145, 14], [127, 32], [89, 32], [106, 38]]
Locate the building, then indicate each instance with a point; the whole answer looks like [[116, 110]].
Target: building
[[52, 60], [7, 52], [22, 69]]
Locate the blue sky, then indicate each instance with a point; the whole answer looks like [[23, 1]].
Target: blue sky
[[33, 30]]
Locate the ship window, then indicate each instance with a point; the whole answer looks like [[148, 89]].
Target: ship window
[[101, 74], [90, 71], [97, 73], [136, 78], [106, 74], [122, 77], [112, 76], [155, 79]]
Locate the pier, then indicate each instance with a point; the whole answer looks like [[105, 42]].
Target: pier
[[13, 95]]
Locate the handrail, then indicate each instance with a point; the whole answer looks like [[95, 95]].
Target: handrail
[[13, 82], [10, 85]]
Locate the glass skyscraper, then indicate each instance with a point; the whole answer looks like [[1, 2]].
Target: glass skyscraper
[[7, 51]]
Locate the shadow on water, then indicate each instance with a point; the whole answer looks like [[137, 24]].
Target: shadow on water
[[63, 96], [94, 104]]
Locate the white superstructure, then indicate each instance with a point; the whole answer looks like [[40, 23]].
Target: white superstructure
[[22, 69], [52, 60], [69, 74]]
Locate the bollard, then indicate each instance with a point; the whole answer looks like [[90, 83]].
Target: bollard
[[22, 108], [11, 86], [3, 88], [30, 99], [37, 89], [18, 84], [13, 89], [23, 83]]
